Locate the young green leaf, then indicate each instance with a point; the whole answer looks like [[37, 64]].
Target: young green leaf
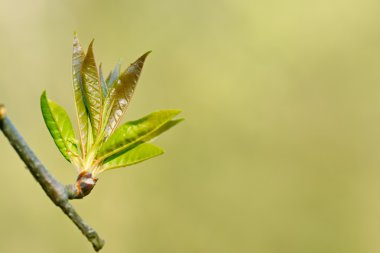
[[121, 93], [82, 117], [165, 127], [132, 156], [134, 132], [60, 127], [92, 90]]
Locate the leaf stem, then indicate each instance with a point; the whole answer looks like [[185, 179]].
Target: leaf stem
[[56, 191]]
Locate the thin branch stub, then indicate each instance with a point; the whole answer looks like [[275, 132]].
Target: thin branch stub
[[3, 111]]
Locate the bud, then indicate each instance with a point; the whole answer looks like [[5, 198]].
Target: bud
[[85, 183]]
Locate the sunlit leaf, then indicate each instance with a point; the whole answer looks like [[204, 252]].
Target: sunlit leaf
[[132, 156], [137, 131], [82, 117], [60, 127], [163, 128], [121, 93], [92, 90]]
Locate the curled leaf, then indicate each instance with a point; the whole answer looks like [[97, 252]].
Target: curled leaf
[[60, 127]]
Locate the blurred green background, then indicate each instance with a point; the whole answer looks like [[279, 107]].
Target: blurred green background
[[280, 150]]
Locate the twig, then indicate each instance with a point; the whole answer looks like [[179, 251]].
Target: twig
[[56, 191]]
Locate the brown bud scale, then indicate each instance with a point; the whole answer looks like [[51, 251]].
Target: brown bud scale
[[85, 183]]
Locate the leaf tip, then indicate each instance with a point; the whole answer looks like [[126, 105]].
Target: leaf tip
[[143, 57], [91, 43], [140, 61], [175, 112], [43, 95], [90, 52], [179, 120], [75, 39]]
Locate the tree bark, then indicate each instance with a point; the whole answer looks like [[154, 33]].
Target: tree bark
[[56, 191]]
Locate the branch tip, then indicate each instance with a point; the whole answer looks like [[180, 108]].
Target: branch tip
[[3, 111]]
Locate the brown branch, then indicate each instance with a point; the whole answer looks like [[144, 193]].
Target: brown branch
[[56, 191]]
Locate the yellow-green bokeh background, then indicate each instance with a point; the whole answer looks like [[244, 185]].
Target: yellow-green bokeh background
[[280, 150]]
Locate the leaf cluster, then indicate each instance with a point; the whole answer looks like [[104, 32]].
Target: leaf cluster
[[100, 105]]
